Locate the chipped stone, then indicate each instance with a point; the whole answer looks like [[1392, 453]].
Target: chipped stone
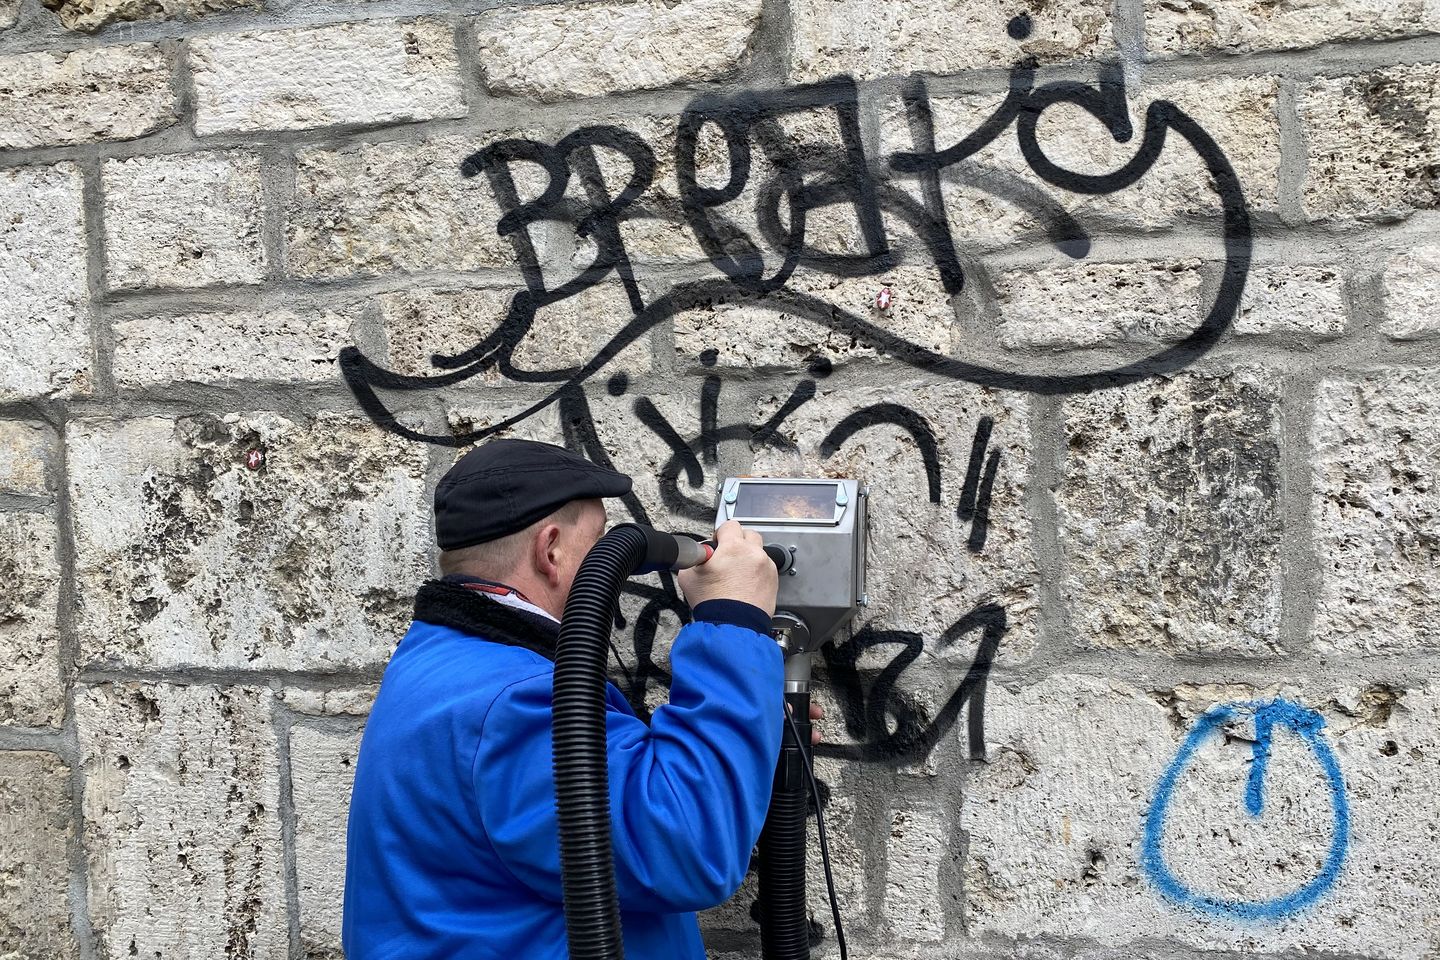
[[1170, 517], [250, 541], [381, 71], [1308, 301], [96, 93], [1412, 294], [31, 693], [322, 773], [26, 458], [94, 14], [34, 860], [1098, 304], [1178, 27]]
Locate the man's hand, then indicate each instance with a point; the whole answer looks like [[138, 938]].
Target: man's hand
[[739, 570]]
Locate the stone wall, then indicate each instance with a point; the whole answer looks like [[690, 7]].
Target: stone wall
[[1126, 310]]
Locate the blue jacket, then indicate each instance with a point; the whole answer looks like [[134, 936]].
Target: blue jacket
[[453, 847]]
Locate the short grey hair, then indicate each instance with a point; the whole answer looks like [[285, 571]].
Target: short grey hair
[[495, 559]]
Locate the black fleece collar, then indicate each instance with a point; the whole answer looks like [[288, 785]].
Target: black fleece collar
[[451, 605]]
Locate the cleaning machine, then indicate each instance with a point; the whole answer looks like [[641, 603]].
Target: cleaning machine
[[814, 531]]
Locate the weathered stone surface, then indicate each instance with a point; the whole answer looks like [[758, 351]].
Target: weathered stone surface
[[9, 13], [382, 71], [1376, 511], [847, 37], [1412, 294], [31, 694], [1055, 819], [1174, 27], [984, 558], [286, 346], [349, 702], [563, 335], [94, 14], [100, 93], [182, 821], [44, 313], [587, 49], [307, 560], [766, 333], [671, 499], [1308, 301], [322, 772], [34, 863], [1372, 144], [1098, 304], [1170, 516], [183, 221], [919, 843], [26, 458]]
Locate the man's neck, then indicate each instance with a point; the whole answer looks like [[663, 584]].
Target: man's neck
[[509, 593]]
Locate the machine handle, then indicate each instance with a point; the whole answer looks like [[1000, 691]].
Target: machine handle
[[780, 556]]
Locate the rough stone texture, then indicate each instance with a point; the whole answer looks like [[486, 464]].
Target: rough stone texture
[[347, 702], [31, 694], [355, 73], [670, 499], [1412, 294], [44, 313], [282, 345], [1055, 820], [183, 221], [322, 771], [1307, 301], [26, 458], [554, 52], [1376, 512], [1098, 304], [9, 13], [1176, 27], [1170, 515], [182, 821], [851, 37], [1372, 144], [35, 829], [917, 846], [94, 14], [308, 561], [100, 93]]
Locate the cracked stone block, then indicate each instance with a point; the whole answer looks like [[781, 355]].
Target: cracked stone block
[[1412, 294], [44, 302], [917, 847], [1098, 304], [380, 71], [79, 96], [249, 541], [1308, 301], [31, 691], [1372, 144], [961, 518], [1056, 818], [777, 332], [848, 37], [91, 15], [1375, 512], [591, 49], [182, 821], [187, 221], [35, 813], [1169, 515], [27, 458], [322, 773], [283, 346], [1180, 27]]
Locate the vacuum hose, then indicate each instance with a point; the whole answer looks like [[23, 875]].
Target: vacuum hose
[[784, 920]]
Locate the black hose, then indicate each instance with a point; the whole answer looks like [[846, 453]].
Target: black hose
[[784, 920]]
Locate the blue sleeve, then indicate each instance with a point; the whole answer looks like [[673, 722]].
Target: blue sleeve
[[688, 793]]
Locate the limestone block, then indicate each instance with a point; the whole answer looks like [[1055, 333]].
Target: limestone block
[[183, 221], [35, 814], [592, 49], [1308, 301], [1170, 517], [1178, 27], [1372, 144], [31, 694], [850, 37], [44, 309], [760, 333], [27, 458], [982, 557], [1412, 294], [345, 702], [918, 844], [381, 71], [95, 93], [322, 772], [286, 346], [1057, 817], [1375, 511], [182, 821], [94, 14], [1098, 304], [246, 542]]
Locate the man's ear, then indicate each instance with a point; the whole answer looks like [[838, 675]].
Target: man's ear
[[546, 549]]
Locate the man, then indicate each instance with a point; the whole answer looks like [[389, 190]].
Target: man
[[453, 844]]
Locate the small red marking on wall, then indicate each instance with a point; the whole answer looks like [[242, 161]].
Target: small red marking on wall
[[884, 299], [255, 459]]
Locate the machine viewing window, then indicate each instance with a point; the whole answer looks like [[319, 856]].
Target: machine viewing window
[[788, 501]]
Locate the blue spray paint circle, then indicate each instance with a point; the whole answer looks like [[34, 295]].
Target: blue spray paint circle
[[1307, 725]]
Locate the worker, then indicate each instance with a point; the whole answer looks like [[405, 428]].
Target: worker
[[453, 847]]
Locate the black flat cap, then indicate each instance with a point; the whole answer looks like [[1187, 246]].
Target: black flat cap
[[503, 486]]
